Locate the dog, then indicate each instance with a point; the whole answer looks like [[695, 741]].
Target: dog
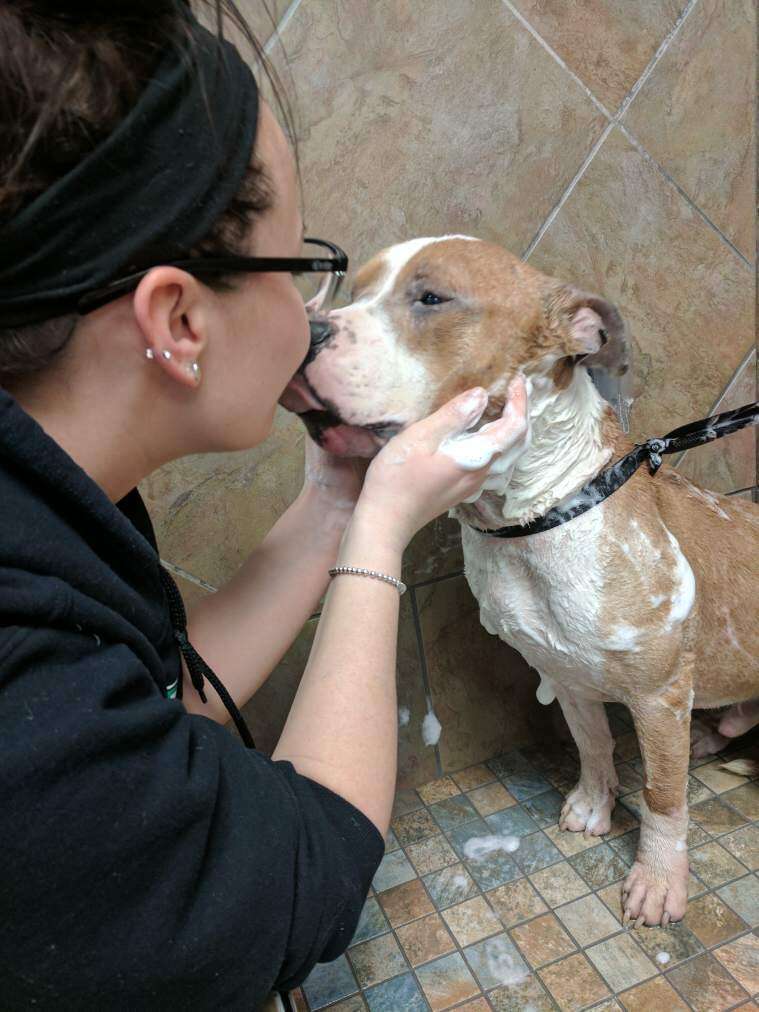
[[648, 599]]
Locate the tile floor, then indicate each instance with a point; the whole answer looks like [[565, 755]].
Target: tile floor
[[540, 928]]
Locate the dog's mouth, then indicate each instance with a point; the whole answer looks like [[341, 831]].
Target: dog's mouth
[[328, 429]]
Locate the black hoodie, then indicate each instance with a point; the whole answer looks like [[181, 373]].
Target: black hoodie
[[149, 860]]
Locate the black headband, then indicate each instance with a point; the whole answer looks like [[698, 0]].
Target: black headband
[[151, 190]]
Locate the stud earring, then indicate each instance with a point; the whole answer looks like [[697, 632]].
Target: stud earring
[[149, 353], [194, 369], [166, 354]]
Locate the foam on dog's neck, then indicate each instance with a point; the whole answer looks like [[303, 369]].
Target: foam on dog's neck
[[566, 448]]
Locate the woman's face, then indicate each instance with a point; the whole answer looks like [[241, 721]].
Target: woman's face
[[262, 334]]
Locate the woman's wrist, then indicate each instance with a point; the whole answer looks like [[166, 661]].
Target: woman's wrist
[[371, 542]]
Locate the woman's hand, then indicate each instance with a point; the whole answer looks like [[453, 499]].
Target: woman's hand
[[436, 464]]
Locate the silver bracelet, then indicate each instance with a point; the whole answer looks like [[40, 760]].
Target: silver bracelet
[[358, 571]]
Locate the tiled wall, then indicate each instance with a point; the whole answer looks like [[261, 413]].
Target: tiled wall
[[609, 142]]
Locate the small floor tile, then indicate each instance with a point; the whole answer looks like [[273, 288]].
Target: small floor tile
[[431, 855], [376, 960], [712, 921], [476, 1005], [474, 830], [742, 896], [450, 885], [515, 902], [559, 883], [745, 799], [535, 852], [525, 993], [512, 822], [587, 920], [545, 808], [744, 844], [406, 801], [622, 821], [473, 776], [496, 961], [741, 958], [425, 939], [655, 995], [677, 942], [491, 798], [406, 902], [400, 993], [471, 921], [706, 985], [447, 981], [620, 962], [626, 846], [716, 817], [718, 779], [629, 778], [599, 866], [574, 983], [525, 785], [493, 870], [713, 865], [510, 764], [329, 982], [453, 812], [414, 826], [355, 1003], [542, 940], [438, 790], [371, 922], [394, 869], [391, 842]]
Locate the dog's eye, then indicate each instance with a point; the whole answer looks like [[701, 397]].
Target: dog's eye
[[431, 299]]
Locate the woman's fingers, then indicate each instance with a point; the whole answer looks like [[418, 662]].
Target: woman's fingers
[[454, 417], [488, 447]]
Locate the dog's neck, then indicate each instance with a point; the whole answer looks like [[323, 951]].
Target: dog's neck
[[573, 432]]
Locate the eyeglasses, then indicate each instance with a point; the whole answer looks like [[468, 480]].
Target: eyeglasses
[[317, 276]]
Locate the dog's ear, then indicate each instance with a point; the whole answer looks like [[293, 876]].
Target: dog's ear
[[596, 331]]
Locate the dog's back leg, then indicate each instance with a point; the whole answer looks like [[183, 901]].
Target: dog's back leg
[[656, 890], [588, 807]]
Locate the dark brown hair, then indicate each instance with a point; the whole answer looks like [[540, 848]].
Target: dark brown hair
[[69, 73]]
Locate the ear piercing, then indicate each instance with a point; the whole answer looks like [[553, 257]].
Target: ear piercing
[[193, 368]]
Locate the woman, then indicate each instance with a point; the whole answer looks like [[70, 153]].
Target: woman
[[151, 861]]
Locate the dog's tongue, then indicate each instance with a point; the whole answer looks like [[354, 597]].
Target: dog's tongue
[[325, 428], [299, 397]]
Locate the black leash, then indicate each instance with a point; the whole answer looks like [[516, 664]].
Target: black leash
[[706, 430], [199, 670]]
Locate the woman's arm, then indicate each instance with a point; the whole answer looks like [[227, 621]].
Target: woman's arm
[[245, 628]]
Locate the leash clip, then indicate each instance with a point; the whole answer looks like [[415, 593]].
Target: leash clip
[[655, 448]]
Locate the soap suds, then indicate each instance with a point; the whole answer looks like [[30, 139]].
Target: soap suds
[[404, 715], [431, 728], [478, 847], [662, 958]]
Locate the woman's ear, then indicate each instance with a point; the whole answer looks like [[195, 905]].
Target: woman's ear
[[170, 308]]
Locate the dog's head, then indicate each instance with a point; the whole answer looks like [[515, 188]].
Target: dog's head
[[430, 318]]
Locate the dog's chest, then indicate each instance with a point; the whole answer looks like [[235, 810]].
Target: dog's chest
[[543, 594]]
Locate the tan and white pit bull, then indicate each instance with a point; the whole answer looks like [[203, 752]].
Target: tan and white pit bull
[[648, 599]]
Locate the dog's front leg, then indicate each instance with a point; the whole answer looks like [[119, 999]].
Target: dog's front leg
[[656, 890], [588, 808]]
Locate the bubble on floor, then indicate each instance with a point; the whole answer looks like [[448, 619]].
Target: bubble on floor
[[663, 958], [501, 964], [431, 729], [404, 715], [479, 847]]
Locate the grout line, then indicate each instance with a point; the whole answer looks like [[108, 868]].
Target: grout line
[[178, 571], [552, 52], [704, 217], [283, 22], [567, 192], [436, 579], [663, 47], [425, 673]]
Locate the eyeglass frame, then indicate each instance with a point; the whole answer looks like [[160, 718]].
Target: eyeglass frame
[[336, 265]]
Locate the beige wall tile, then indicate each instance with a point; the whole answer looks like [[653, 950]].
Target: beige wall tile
[[728, 463], [428, 119], [696, 113], [483, 692], [608, 45], [626, 233]]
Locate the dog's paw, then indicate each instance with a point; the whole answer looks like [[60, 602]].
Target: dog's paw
[[656, 897], [705, 740], [586, 813]]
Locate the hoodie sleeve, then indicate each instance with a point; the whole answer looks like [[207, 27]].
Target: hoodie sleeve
[[150, 860]]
